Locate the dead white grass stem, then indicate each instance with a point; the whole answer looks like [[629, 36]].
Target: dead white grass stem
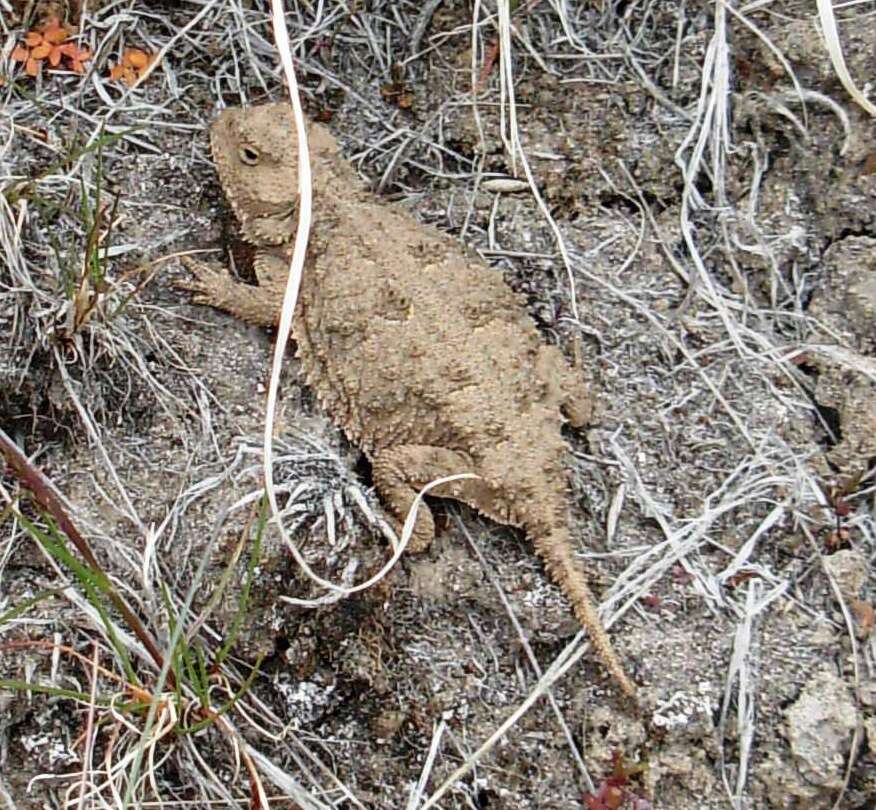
[[680, 24], [570, 656], [6, 796], [741, 674], [856, 666], [116, 772], [87, 420], [802, 96], [305, 215], [652, 88], [476, 53], [834, 48], [709, 133], [572, 37], [780, 57], [511, 139], [306, 762], [161, 703], [89, 726], [214, 783], [420, 787], [421, 24], [751, 481], [840, 356], [290, 298], [508, 128], [407, 531], [709, 140], [287, 783], [659, 324], [527, 649]]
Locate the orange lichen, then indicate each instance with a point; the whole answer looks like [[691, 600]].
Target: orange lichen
[[50, 43], [133, 66]]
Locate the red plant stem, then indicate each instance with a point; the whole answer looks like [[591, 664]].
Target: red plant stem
[[44, 492]]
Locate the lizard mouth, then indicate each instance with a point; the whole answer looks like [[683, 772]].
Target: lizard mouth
[[271, 227]]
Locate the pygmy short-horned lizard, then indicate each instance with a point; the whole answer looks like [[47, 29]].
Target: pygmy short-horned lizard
[[420, 351]]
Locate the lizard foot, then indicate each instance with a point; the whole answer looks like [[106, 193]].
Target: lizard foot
[[258, 305], [206, 283]]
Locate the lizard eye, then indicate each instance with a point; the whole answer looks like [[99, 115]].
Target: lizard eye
[[248, 155]]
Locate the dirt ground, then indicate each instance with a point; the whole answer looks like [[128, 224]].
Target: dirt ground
[[706, 236]]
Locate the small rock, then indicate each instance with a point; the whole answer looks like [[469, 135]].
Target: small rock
[[870, 731], [387, 724], [504, 185], [686, 715], [849, 569], [819, 729]]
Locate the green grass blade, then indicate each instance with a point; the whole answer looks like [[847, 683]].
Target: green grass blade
[[93, 583], [18, 610], [225, 707]]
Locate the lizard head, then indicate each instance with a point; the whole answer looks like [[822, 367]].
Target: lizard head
[[256, 156]]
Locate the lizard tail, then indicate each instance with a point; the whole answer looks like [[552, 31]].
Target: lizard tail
[[555, 551]]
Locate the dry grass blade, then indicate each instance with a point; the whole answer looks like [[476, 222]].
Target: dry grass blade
[[530, 655], [305, 203], [407, 531], [834, 48], [567, 659], [740, 684]]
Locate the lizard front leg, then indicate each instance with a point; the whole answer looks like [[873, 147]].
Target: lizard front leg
[[571, 391], [259, 305]]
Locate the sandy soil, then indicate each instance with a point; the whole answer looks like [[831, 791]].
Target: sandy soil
[[722, 280]]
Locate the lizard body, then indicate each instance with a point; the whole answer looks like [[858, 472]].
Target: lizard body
[[416, 348]]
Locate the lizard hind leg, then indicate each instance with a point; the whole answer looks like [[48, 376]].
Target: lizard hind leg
[[400, 472]]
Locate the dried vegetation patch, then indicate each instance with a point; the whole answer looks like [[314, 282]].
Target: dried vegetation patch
[[687, 190]]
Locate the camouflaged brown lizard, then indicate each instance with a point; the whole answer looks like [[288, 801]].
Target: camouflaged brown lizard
[[417, 349]]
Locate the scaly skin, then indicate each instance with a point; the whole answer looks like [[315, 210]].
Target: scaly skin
[[419, 351]]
